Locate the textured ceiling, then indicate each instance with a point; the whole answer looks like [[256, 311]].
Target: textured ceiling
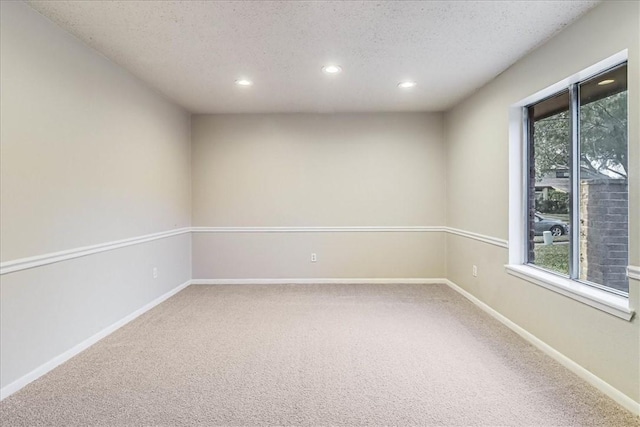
[[193, 51]]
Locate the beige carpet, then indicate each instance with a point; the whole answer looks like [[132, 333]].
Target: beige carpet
[[313, 355]]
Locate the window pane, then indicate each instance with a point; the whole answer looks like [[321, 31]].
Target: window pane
[[549, 183], [604, 193]]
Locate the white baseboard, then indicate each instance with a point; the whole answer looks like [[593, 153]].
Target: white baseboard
[[583, 373], [574, 367], [419, 281], [13, 387]]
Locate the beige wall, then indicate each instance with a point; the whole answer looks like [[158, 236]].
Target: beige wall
[[476, 132], [340, 255], [46, 311], [318, 170], [88, 155]]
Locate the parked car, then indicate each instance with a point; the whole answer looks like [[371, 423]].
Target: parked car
[[555, 226]]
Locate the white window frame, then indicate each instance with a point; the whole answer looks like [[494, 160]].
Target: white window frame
[[612, 303]]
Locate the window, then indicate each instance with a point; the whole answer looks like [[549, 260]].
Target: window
[[576, 222], [568, 187]]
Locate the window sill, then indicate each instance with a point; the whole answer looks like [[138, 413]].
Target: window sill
[[613, 304]]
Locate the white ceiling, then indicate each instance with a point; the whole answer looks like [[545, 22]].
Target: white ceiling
[[193, 51]]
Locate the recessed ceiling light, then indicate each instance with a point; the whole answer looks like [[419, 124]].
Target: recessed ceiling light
[[407, 85], [244, 82], [331, 69], [606, 82]]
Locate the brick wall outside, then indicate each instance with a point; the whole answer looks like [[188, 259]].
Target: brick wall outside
[[604, 231], [531, 201]]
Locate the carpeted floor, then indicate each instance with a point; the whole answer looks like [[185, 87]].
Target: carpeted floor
[[313, 355]]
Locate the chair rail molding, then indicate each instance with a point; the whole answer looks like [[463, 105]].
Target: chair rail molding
[[54, 257], [338, 229]]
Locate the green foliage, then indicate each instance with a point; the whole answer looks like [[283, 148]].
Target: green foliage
[[552, 143], [553, 257], [556, 203], [603, 138], [603, 135]]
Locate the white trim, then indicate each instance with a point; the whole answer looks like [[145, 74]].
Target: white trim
[[322, 281], [586, 74], [568, 363], [633, 272], [517, 180], [616, 305], [480, 237], [347, 229], [13, 387], [50, 258], [357, 229], [54, 257], [518, 183], [583, 373], [517, 155]]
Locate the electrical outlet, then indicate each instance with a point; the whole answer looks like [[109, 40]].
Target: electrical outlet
[[474, 271], [314, 258], [155, 272]]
